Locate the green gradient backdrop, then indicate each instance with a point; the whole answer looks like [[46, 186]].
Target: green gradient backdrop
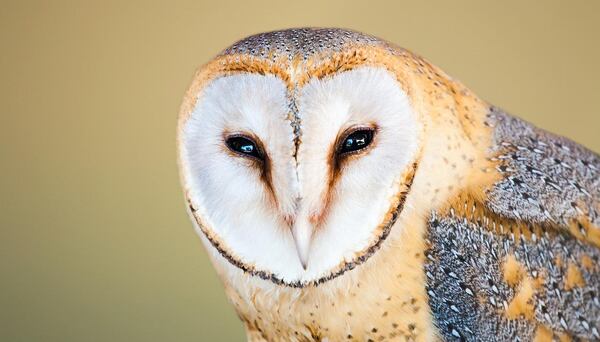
[[95, 244]]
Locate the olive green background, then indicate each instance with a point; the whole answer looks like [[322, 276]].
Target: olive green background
[[95, 244]]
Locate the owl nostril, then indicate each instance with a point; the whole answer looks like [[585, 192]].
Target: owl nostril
[[289, 214], [289, 220], [315, 218], [318, 217]]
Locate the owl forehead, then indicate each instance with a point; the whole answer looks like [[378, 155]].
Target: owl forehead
[[302, 43], [297, 56], [254, 103]]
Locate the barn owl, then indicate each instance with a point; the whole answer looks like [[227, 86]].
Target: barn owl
[[348, 190]]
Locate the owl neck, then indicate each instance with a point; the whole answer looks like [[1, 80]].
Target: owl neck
[[383, 297]]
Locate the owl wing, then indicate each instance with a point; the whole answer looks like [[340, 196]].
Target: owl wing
[[523, 264]]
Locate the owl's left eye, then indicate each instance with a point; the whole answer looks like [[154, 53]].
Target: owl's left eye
[[356, 140], [244, 146]]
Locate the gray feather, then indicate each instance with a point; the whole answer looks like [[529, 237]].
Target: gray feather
[[548, 180]]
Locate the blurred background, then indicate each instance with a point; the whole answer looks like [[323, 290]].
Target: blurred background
[[95, 244]]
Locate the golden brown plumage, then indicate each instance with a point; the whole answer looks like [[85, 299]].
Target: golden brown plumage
[[471, 244]]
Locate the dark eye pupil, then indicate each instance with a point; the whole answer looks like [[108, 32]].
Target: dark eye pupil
[[357, 141], [243, 145], [247, 148]]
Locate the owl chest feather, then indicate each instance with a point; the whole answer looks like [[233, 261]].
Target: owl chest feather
[[383, 300]]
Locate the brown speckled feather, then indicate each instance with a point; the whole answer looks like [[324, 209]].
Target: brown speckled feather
[[524, 263], [497, 239]]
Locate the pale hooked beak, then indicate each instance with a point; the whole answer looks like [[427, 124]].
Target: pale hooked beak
[[302, 232]]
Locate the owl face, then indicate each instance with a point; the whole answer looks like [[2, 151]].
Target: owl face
[[298, 184]]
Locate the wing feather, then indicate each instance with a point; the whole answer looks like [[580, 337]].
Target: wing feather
[[523, 265]]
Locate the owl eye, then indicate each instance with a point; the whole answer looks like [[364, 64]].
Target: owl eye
[[244, 146], [356, 140]]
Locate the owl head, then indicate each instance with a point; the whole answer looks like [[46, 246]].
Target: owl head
[[298, 149]]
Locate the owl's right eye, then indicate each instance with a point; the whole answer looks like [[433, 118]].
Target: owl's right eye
[[244, 146]]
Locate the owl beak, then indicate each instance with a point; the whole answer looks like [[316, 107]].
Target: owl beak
[[302, 233]]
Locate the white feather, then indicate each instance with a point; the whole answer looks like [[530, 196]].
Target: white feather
[[234, 203]]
